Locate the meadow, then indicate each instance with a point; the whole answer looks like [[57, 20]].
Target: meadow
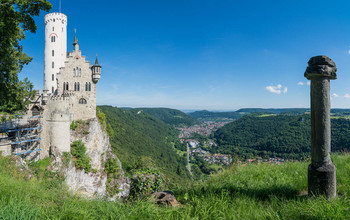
[[253, 191]]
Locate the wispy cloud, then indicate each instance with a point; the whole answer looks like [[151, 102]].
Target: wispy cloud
[[347, 95], [277, 89], [335, 95], [308, 83], [300, 83]]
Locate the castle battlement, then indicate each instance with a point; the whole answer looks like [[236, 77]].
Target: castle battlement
[[53, 17]]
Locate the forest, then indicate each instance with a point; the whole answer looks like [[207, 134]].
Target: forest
[[137, 134], [284, 136]]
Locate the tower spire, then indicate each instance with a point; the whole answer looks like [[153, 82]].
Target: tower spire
[[96, 61], [75, 42], [75, 37]]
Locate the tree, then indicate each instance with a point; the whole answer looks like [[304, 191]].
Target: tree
[[16, 16]]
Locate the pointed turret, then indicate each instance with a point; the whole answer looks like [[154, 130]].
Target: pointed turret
[[96, 71], [75, 42]]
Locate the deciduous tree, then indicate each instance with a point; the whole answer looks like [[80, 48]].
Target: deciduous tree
[[16, 17]]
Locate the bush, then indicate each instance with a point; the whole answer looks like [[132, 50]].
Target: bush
[[82, 161], [73, 125]]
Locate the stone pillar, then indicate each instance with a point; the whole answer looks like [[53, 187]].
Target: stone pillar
[[321, 171]]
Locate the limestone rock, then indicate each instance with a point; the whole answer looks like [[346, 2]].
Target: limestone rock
[[165, 198]]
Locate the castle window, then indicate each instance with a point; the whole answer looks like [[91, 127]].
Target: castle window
[[53, 53], [67, 88], [89, 86], [53, 77], [78, 86], [53, 38], [75, 86], [53, 64], [74, 72], [79, 71], [53, 28], [52, 89], [64, 86], [82, 101], [86, 87]]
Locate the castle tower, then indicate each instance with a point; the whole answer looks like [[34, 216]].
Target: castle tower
[[55, 48]]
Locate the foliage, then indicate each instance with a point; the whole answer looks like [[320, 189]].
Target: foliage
[[74, 125], [170, 116], [16, 16], [146, 178], [82, 160], [143, 135], [112, 168], [101, 116]]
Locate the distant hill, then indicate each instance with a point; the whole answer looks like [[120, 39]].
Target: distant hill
[[274, 110], [206, 115], [286, 136], [170, 116], [209, 115], [140, 134]]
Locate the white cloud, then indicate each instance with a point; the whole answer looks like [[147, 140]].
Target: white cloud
[[348, 51], [276, 89], [308, 83], [300, 83], [347, 95], [335, 95]]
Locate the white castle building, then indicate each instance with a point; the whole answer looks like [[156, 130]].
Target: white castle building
[[69, 86]]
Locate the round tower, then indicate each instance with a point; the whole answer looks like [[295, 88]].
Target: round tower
[[96, 71], [55, 48]]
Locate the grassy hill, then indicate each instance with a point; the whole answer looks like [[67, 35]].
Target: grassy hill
[[138, 134], [255, 191], [170, 116], [286, 136]]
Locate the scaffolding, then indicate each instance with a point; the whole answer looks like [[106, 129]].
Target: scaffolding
[[22, 135]]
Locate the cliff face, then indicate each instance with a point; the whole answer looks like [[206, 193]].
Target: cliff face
[[93, 184]]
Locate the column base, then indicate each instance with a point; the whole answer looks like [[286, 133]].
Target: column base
[[322, 180]]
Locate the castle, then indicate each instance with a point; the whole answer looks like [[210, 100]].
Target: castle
[[69, 87]]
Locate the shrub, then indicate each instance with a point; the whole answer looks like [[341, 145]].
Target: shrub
[[73, 125], [146, 178], [82, 161]]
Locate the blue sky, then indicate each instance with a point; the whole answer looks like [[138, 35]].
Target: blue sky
[[198, 54]]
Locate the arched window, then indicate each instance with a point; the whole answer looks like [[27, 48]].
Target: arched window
[[53, 38], [64, 86], [67, 87], [53, 28], [52, 90], [53, 77], [86, 87], [53, 53], [78, 86], [75, 86], [35, 111], [53, 65], [82, 101], [89, 86]]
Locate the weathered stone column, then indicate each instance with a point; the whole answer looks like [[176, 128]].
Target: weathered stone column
[[321, 171]]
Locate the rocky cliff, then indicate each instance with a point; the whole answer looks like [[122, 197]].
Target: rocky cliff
[[92, 184]]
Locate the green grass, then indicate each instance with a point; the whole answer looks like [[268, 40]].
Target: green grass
[[255, 191]]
